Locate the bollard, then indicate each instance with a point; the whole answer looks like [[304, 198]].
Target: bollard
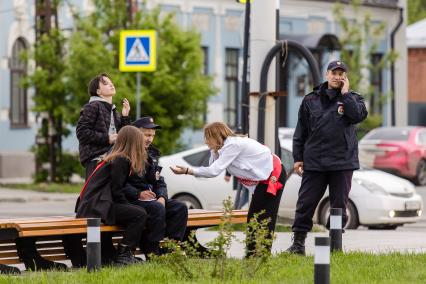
[[93, 247], [336, 229], [322, 260]]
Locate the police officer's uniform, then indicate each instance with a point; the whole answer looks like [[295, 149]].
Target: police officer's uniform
[[325, 140], [163, 221]]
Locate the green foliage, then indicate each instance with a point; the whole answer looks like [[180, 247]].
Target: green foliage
[[50, 101], [348, 268], [260, 241], [221, 245], [48, 187], [416, 10], [360, 39], [174, 95]]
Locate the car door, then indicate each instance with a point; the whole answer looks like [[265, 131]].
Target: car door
[[291, 188]]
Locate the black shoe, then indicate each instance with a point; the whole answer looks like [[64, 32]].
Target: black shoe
[[298, 246], [125, 255]]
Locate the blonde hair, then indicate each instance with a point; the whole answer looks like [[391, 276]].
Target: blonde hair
[[130, 145], [216, 133]]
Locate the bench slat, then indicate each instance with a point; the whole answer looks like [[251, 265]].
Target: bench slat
[[10, 261]]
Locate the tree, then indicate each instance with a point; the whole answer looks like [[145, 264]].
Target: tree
[[416, 10], [174, 94], [50, 99], [360, 40]]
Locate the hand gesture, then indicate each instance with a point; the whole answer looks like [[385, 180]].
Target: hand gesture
[[345, 86], [298, 168], [126, 108], [179, 170]]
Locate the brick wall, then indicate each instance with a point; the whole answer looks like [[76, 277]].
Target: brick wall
[[417, 75]]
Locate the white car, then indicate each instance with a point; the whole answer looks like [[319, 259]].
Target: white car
[[377, 199]]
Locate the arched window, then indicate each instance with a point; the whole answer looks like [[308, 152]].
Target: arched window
[[18, 94]]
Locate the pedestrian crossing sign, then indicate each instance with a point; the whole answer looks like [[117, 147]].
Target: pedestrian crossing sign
[[138, 51]]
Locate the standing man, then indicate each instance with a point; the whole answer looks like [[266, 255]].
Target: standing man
[[166, 217], [325, 148]]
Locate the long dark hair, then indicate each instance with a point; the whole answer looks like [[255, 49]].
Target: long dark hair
[[130, 145]]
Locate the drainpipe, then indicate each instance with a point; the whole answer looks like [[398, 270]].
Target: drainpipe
[[393, 33]]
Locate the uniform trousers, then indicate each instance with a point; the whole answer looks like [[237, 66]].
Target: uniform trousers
[[312, 189], [163, 221]]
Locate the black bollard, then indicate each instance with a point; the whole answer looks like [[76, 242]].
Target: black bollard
[[336, 229], [322, 260], [93, 248]]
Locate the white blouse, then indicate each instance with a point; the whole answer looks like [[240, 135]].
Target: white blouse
[[243, 157]]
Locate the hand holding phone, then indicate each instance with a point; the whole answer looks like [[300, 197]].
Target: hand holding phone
[[345, 85]]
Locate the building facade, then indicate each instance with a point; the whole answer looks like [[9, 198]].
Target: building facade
[[416, 43], [221, 24]]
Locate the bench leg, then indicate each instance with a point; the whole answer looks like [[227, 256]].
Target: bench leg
[[203, 251], [28, 254], [73, 248], [6, 269]]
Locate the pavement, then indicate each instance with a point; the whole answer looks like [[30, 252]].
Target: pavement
[[27, 203]]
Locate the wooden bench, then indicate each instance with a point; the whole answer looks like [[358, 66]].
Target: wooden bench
[[39, 242]]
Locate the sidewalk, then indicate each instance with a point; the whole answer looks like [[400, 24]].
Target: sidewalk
[[27, 203], [353, 240], [19, 195]]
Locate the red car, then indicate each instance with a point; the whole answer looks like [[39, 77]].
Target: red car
[[398, 150]]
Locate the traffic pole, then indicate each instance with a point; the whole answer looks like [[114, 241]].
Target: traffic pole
[[322, 260], [93, 245], [336, 229]]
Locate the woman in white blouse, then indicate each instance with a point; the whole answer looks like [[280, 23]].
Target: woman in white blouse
[[251, 163]]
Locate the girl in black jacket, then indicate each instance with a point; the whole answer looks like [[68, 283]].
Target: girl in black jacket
[[103, 197]]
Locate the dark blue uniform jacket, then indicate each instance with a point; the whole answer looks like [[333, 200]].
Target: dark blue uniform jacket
[[325, 138], [150, 180]]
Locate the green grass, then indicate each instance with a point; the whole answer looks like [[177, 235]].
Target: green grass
[[47, 187], [345, 268], [279, 228]]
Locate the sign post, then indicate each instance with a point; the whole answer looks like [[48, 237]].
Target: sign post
[[138, 53]]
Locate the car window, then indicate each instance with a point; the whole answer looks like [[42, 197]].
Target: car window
[[422, 138], [398, 134], [200, 159], [287, 160]]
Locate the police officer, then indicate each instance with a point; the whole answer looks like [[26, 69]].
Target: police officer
[[166, 217], [325, 148]]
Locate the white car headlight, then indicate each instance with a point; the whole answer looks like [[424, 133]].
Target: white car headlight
[[371, 186]]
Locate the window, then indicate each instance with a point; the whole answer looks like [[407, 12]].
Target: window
[[421, 138], [18, 95], [199, 159], [205, 71], [287, 160], [231, 86], [376, 80], [396, 134], [205, 50]]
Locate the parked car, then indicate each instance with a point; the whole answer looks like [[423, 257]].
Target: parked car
[[377, 199], [398, 150]]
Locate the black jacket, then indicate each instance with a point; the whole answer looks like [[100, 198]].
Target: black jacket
[[325, 138], [103, 190], [150, 180], [92, 129]]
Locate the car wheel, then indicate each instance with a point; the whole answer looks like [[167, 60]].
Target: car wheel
[[351, 211], [190, 201], [383, 227], [421, 173]]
